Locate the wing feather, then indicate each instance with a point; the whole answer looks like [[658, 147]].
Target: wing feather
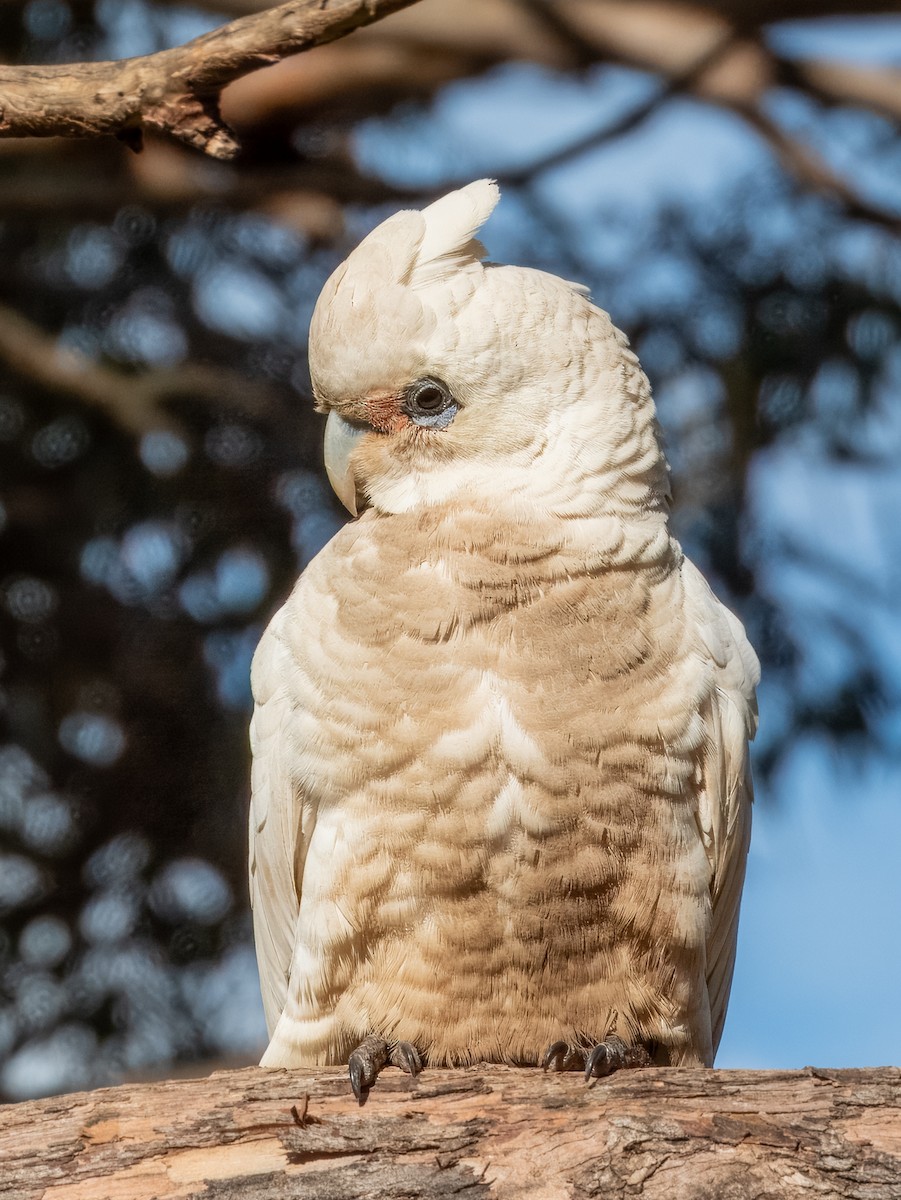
[[281, 820], [724, 810]]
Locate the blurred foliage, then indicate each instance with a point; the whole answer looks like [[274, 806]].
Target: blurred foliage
[[160, 489]]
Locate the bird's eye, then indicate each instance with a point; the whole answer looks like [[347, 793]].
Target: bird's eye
[[428, 403], [429, 399]]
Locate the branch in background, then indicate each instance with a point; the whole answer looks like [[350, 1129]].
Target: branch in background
[[812, 171], [176, 91], [136, 402], [625, 124], [833, 83], [750, 14], [694, 51], [226, 8], [94, 182], [734, 73]]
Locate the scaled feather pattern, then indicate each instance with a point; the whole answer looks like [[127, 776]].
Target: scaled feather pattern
[[501, 793]]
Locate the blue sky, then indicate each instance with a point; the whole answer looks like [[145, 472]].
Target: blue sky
[[818, 977]]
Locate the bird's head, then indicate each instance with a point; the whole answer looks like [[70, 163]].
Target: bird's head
[[445, 377]]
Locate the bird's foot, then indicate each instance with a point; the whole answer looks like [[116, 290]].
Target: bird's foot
[[560, 1056], [613, 1054], [374, 1053]]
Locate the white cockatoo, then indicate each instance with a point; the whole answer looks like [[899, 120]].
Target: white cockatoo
[[501, 796]]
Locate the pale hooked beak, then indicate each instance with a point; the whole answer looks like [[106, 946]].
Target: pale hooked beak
[[340, 439]]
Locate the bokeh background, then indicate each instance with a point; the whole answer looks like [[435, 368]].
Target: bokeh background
[[727, 179]]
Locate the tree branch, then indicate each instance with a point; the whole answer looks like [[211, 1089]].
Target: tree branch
[[812, 171], [485, 1131], [611, 130], [69, 182], [135, 402], [175, 91], [834, 83], [741, 93]]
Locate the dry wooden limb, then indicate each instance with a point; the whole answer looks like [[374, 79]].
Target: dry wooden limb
[[482, 1131], [136, 402], [174, 91]]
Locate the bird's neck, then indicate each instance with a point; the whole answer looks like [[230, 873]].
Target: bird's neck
[[528, 536]]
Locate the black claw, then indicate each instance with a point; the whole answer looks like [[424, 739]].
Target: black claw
[[598, 1063], [608, 1056], [555, 1056], [561, 1056], [357, 1069], [364, 1065], [406, 1056], [371, 1055]]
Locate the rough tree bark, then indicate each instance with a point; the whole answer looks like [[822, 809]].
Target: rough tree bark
[[176, 91], [483, 1131]]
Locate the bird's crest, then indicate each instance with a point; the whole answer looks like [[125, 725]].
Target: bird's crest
[[414, 249], [448, 240]]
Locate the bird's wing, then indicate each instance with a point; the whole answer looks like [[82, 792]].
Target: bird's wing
[[282, 817], [724, 808]]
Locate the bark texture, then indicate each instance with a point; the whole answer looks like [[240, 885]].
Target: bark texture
[[175, 91], [482, 1131]]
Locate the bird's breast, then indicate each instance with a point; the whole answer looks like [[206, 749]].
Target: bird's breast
[[480, 711]]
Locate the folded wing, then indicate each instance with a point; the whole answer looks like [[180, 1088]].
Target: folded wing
[[724, 809]]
